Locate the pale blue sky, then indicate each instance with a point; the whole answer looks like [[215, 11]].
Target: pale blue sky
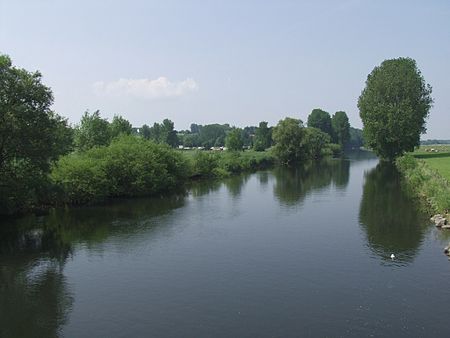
[[224, 61]]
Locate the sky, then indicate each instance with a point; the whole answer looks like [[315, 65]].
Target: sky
[[237, 62]]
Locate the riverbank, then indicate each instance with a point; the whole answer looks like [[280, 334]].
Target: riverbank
[[427, 175]]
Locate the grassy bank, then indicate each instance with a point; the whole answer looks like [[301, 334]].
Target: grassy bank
[[428, 176]]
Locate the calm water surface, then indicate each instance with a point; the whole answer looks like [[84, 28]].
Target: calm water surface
[[279, 253]]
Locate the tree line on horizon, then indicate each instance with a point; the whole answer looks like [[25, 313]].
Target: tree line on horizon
[[94, 130]]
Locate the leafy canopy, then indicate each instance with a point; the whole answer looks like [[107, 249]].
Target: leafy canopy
[[393, 107], [32, 136], [234, 140], [263, 137], [92, 131], [341, 128], [320, 119], [288, 137]]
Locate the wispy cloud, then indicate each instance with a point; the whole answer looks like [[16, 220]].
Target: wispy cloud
[[158, 88]]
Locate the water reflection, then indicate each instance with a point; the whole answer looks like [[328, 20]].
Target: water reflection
[[263, 178], [35, 299], [292, 185], [389, 217], [204, 187], [235, 184]]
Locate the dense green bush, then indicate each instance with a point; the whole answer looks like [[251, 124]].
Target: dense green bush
[[204, 163], [222, 164], [129, 166]]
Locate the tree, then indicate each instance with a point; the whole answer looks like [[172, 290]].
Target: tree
[[32, 136], [393, 107], [234, 140], [263, 137], [288, 136], [92, 131], [145, 131], [155, 133], [168, 133], [315, 141], [213, 135], [119, 126], [248, 134], [320, 119], [195, 128], [341, 128]]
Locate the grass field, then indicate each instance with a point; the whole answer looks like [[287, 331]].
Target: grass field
[[438, 160], [440, 164]]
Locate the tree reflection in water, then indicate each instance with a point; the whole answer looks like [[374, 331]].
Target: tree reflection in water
[[293, 184], [389, 217], [35, 298]]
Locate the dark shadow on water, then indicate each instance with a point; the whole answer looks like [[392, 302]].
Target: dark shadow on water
[[389, 216]]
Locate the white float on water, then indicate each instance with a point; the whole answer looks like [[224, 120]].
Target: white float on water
[[392, 256]]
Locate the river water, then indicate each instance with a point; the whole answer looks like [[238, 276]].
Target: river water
[[278, 253]]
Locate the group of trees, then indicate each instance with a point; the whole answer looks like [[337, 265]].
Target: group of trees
[[216, 135], [93, 130], [161, 133], [336, 126], [294, 142]]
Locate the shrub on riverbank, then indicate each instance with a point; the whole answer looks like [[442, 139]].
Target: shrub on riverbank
[[129, 166], [425, 182], [132, 166], [222, 164]]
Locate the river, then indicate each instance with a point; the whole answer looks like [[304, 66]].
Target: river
[[277, 253]]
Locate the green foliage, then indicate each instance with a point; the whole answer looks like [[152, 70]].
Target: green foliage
[[332, 149], [195, 128], [320, 119], [119, 126], [222, 164], [213, 135], [393, 107], [234, 140], [248, 134], [31, 138], [356, 140], [162, 133], [341, 128], [168, 133], [288, 136], [425, 182], [263, 137], [145, 132], [129, 166], [92, 131], [190, 140], [315, 142], [204, 164]]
